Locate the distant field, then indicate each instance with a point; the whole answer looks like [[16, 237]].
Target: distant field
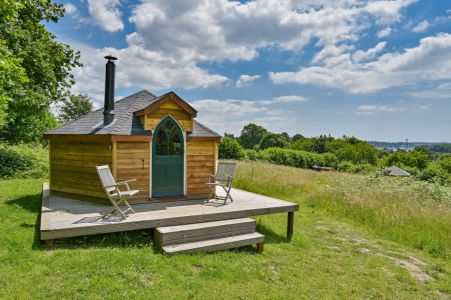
[[342, 247]]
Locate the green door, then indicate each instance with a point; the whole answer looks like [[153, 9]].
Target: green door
[[167, 159]]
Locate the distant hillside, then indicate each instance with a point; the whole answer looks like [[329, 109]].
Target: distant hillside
[[434, 147]]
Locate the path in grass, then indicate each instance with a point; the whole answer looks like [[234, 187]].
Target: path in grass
[[327, 258]]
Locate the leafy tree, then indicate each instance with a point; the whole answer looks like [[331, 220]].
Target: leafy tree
[[230, 149], [251, 135], [417, 158], [37, 72], [274, 140], [74, 107], [353, 150], [296, 137]]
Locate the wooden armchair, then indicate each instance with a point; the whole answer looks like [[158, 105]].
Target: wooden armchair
[[223, 178], [116, 196]]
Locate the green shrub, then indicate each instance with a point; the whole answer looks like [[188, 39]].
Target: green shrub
[[298, 158], [251, 154], [349, 167], [229, 148], [23, 161]]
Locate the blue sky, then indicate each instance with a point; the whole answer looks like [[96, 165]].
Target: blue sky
[[378, 70]]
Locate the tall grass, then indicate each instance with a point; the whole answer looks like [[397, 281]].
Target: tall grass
[[414, 213]]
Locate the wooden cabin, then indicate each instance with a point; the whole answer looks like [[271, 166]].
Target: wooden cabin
[[155, 140]]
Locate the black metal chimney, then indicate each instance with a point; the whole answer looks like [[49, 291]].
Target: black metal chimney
[[108, 111]]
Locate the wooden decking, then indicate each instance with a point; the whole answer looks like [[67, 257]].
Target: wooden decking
[[63, 217]]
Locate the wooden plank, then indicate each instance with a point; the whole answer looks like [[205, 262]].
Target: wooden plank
[[217, 244], [45, 215], [203, 139], [114, 158], [78, 137], [201, 231], [131, 138]]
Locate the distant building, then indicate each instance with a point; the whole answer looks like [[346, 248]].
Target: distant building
[[395, 171]]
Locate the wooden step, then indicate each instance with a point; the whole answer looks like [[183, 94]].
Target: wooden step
[[182, 234], [218, 244]]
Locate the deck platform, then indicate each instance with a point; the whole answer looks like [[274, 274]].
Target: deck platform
[[64, 217]]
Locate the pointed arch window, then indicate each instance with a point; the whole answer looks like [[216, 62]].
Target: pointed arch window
[[168, 139]]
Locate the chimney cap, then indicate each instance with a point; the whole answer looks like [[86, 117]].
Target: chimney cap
[[110, 57]]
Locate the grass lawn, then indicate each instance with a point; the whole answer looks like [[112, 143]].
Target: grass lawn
[[333, 254]]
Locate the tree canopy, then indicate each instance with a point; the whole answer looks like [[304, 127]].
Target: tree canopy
[[251, 135], [34, 69], [74, 107]]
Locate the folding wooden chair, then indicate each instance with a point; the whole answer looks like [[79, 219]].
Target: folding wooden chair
[[116, 196], [223, 178]]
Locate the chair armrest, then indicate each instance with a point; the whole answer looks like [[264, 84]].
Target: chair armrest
[[125, 181]]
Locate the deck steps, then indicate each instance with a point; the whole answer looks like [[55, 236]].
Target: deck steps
[[217, 244], [208, 236]]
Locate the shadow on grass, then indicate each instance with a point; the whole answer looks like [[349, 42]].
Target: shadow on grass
[[271, 237]]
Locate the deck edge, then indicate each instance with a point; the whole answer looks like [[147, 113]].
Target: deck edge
[[45, 210]]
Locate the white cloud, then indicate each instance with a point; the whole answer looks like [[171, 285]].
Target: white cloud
[[361, 55], [232, 114], [172, 39], [106, 14], [289, 99], [245, 80], [429, 61], [382, 108], [140, 67], [421, 26], [373, 109], [384, 32], [442, 91], [70, 8]]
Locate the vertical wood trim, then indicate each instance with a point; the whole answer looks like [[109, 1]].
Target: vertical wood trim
[[185, 173], [50, 165], [145, 122], [150, 169], [113, 156], [215, 154]]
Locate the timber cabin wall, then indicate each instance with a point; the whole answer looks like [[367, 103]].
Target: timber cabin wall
[[201, 160], [132, 161], [73, 161]]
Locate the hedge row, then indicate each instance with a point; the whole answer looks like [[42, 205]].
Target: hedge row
[[23, 161], [294, 158]]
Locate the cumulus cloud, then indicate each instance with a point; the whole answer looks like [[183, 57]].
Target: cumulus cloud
[[173, 39], [384, 32], [421, 26], [429, 61], [233, 114], [245, 80], [106, 14], [69, 8]]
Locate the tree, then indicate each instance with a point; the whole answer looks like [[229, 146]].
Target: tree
[[251, 135], [74, 107], [42, 67], [296, 137], [274, 140], [230, 149]]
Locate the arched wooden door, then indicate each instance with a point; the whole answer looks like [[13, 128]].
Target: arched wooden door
[[167, 159]]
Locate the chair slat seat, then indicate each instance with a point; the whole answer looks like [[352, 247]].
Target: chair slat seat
[[114, 194]]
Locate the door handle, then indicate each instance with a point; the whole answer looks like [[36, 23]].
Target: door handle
[[142, 160]]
